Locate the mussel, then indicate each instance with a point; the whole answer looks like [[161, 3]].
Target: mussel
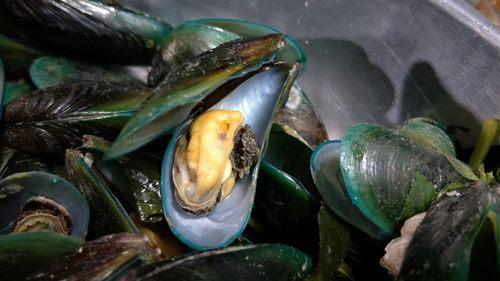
[[458, 237], [108, 215], [250, 262], [38, 201], [52, 119], [22, 254], [195, 37], [184, 42], [117, 35], [107, 257], [51, 71], [135, 177], [17, 57], [257, 100], [388, 174]]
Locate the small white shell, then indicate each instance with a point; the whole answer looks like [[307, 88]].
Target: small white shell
[[396, 249]]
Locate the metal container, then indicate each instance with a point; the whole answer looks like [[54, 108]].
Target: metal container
[[378, 61]]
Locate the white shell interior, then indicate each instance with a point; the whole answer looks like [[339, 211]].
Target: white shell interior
[[257, 99]]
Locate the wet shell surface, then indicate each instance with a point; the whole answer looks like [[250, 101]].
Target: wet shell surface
[[257, 99]]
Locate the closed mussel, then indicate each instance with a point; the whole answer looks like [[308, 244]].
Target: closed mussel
[[52, 119], [389, 175], [117, 35]]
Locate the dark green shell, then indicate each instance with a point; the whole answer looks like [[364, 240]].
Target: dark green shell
[[86, 29], [263, 262], [458, 238], [108, 215], [21, 254], [17, 57], [14, 90], [288, 208], [135, 177], [52, 71], [50, 120], [100, 258], [389, 177]]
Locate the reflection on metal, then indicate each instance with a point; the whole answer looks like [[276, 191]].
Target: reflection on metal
[[366, 58]]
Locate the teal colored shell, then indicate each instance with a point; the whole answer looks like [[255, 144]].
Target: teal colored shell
[[16, 189], [389, 177]]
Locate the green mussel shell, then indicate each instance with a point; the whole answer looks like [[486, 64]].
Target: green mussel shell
[[50, 120], [14, 90], [458, 238], [52, 71], [252, 262], [389, 177], [135, 177], [21, 254], [17, 57], [108, 215], [87, 29], [172, 101], [100, 258]]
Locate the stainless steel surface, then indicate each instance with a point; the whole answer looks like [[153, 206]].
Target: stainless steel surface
[[379, 61]]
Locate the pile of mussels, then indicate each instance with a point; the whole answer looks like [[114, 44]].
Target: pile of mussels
[[132, 150]]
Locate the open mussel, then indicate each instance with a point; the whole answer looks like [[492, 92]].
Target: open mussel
[[38, 201], [257, 99], [135, 177], [117, 35]]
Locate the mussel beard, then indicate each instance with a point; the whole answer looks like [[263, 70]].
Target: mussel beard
[[202, 182]]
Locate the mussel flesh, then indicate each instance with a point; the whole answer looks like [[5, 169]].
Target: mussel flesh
[[207, 160]]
